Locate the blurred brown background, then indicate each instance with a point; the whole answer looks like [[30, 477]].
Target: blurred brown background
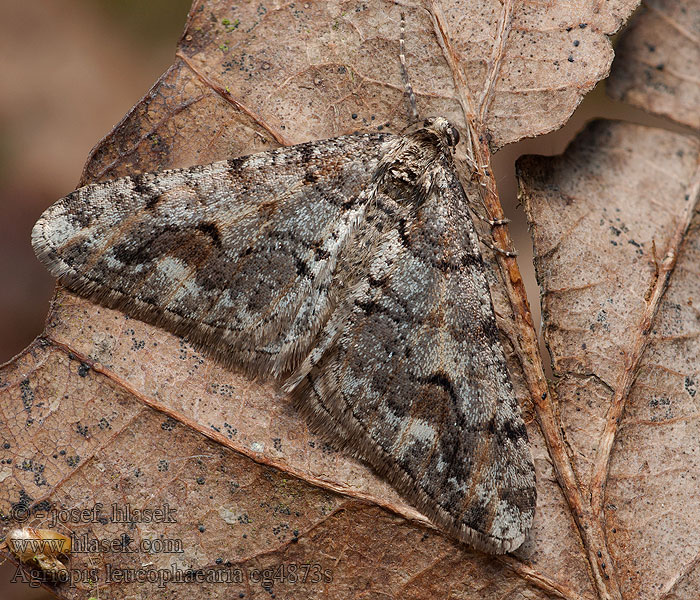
[[69, 71]]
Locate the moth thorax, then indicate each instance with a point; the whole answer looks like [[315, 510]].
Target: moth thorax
[[407, 176]]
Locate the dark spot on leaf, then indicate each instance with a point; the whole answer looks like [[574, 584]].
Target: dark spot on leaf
[[23, 504], [168, 424], [27, 395]]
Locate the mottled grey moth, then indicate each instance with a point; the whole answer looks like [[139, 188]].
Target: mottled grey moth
[[348, 268]]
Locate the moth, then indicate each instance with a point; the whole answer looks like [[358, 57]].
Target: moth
[[350, 270]]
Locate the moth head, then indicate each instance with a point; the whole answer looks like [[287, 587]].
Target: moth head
[[443, 129], [438, 127]]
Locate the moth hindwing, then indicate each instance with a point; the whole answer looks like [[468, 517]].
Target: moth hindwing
[[350, 270]]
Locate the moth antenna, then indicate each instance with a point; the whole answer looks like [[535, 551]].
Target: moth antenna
[[404, 72]]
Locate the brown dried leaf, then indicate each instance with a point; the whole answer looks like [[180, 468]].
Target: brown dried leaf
[[617, 243], [107, 409], [514, 69], [658, 59]]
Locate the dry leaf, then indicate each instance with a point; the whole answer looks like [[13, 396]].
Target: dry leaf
[[615, 230], [516, 69], [104, 409], [614, 223], [658, 61]]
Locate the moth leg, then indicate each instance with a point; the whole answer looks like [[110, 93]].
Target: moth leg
[[492, 222], [508, 253]]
